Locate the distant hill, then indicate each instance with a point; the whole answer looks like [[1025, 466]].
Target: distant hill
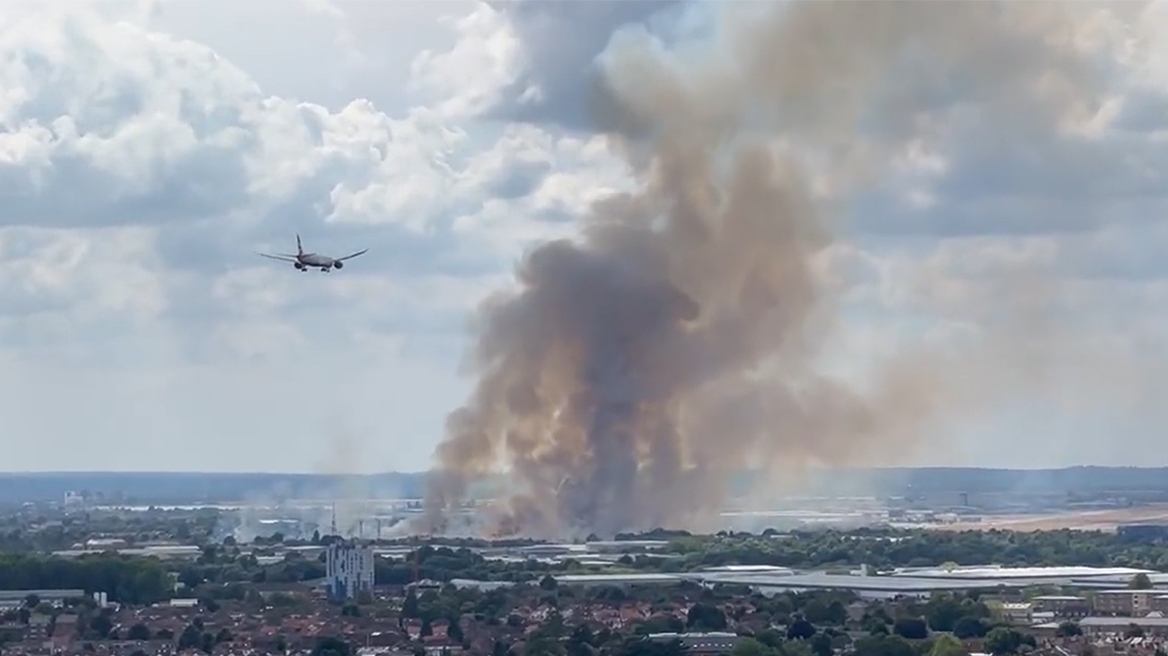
[[194, 487]]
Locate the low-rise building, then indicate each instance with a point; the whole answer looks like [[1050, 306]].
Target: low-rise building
[[1062, 605], [17, 598], [1124, 602], [1151, 626], [701, 643], [1015, 613]]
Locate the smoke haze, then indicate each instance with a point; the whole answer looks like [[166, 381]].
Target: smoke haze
[[680, 336]]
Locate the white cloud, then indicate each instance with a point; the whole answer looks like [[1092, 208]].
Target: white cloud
[[472, 75]]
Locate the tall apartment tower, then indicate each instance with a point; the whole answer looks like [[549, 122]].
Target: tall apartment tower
[[348, 570]]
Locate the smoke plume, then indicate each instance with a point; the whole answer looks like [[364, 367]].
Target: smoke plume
[[676, 339]]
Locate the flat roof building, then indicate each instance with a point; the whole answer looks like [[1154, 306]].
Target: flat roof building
[[16, 598], [717, 642], [1155, 626], [619, 579], [1036, 573]]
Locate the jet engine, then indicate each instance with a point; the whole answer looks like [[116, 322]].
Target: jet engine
[[338, 264], [298, 265]]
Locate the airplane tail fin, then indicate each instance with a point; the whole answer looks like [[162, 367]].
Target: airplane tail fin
[[299, 249]]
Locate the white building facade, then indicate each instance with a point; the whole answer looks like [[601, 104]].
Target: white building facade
[[348, 570]]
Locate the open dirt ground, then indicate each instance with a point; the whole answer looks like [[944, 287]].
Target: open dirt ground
[[1087, 520]]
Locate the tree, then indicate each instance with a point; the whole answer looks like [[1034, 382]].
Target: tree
[[138, 632], [875, 627], [330, 646], [750, 647], [911, 628], [101, 626], [943, 612], [190, 638], [704, 617], [969, 627], [883, 646], [543, 645], [580, 642], [1140, 582], [548, 582], [1134, 631], [821, 645], [410, 608], [1003, 641], [1069, 629], [947, 645], [800, 629]]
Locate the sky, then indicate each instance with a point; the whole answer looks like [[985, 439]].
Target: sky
[[148, 149]]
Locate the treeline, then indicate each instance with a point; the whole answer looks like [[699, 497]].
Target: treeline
[[125, 579], [444, 564], [221, 565], [889, 548]]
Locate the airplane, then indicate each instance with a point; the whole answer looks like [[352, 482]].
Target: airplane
[[303, 261]]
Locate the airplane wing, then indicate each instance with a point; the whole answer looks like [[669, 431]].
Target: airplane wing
[[279, 256], [349, 257]]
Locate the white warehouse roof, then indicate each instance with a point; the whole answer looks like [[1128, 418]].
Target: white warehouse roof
[[996, 572]]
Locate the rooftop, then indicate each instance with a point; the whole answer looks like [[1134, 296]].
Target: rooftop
[[43, 594], [1120, 622], [999, 572], [617, 578]]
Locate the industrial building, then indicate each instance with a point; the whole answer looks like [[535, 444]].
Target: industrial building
[[903, 583], [619, 580], [349, 570], [1053, 575]]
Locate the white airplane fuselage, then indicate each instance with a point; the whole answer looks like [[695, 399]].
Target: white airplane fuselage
[[322, 262]]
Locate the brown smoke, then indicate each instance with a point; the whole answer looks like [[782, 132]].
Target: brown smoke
[[676, 340]]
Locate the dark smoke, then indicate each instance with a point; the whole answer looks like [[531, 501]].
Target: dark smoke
[[675, 341]]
